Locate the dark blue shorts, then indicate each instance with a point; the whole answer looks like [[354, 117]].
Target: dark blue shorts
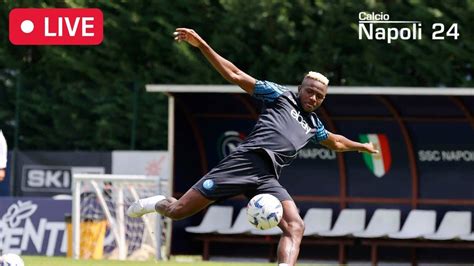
[[248, 173]]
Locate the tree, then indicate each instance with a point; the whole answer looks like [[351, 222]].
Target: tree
[[80, 97]]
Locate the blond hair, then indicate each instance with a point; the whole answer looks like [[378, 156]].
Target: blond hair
[[317, 76]]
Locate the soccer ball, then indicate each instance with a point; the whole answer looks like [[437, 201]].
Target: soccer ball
[[264, 211], [11, 260]]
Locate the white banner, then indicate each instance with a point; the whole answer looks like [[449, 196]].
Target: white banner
[[141, 163]]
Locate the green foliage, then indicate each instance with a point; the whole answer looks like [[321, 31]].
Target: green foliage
[[76, 97]]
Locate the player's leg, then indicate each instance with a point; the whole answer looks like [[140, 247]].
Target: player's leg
[[291, 223], [293, 228], [227, 179], [232, 176], [190, 203]]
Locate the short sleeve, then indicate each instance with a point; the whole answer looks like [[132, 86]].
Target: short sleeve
[[3, 151], [268, 91], [321, 133]]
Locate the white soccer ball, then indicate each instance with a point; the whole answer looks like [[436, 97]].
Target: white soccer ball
[[11, 260], [264, 211]]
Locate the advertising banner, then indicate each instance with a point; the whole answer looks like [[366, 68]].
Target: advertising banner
[[33, 226], [376, 175], [152, 163], [42, 173], [445, 159]]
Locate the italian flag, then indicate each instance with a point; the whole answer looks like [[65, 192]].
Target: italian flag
[[378, 163]]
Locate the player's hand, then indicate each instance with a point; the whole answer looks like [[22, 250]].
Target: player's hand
[[370, 148], [189, 36], [2, 174]]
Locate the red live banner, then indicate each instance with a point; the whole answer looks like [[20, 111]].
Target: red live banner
[[56, 26]]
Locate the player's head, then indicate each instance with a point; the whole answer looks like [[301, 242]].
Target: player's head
[[312, 90]]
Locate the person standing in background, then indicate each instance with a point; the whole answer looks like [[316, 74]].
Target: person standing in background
[[3, 156]]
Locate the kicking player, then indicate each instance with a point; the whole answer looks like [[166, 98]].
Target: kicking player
[[286, 125]]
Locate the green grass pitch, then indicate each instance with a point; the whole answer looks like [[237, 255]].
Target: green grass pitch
[[59, 261]]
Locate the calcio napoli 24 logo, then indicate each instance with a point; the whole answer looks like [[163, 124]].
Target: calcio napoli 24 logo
[[228, 142], [379, 164]]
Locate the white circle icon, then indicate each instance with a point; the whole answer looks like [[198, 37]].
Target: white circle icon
[[27, 26]]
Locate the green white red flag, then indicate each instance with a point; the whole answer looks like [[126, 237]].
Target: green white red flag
[[378, 163]]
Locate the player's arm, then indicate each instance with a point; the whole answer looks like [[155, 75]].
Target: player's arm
[[226, 68], [340, 143]]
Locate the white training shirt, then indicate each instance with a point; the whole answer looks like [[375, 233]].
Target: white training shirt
[[3, 151]]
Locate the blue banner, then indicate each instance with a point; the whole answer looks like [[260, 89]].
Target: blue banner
[[445, 159], [363, 179], [33, 226], [42, 173]]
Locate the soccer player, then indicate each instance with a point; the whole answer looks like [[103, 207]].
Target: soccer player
[[3, 156], [286, 125]]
